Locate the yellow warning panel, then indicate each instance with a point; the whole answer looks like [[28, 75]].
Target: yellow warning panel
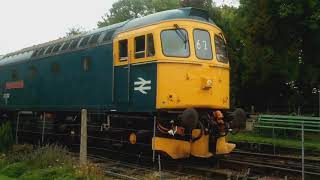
[[200, 148], [176, 149], [223, 147]]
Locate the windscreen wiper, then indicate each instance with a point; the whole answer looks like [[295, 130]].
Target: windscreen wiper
[[181, 35]]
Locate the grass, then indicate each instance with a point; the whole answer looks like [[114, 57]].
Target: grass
[[6, 136], [5, 178], [310, 144], [44, 163]]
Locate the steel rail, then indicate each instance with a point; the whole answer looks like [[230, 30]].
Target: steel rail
[[283, 163], [269, 166]]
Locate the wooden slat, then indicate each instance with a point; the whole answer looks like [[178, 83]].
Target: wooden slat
[[289, 123], [287, 128], [291, 117], [280, 120], [311, 124]]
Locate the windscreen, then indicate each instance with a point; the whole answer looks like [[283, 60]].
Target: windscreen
[[202, 44], [175, 43]]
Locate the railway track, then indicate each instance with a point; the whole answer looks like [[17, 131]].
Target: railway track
[[249, 165], [130, 166], [134, 171], [252, 166], [260, 163]]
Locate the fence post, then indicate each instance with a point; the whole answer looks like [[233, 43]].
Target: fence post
[[17, 127], [319, 99], [273, 135], [153, 139], [159, 163], [84, 137], [302, 150], [43, 126]]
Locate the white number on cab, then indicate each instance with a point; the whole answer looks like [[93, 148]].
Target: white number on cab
[[202, 46]]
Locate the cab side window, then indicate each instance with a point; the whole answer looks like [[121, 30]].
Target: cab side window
[[150, 44], [140, 46], [123, 50]]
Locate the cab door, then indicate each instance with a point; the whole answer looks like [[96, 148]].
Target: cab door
[[135, 73], [143, 73], [121, 74]]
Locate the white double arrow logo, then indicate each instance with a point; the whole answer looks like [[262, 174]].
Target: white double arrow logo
[[142, 85]]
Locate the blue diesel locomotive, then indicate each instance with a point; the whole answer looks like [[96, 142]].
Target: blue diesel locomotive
[[162, 79]]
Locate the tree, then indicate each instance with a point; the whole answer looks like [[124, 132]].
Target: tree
[[203, 4], [273, 46], [76, 30], [127, 9], [280, 46]]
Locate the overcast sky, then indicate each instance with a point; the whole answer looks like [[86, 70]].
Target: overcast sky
[[25, 23]]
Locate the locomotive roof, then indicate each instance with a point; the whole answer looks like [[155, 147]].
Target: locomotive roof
[[182, 13]]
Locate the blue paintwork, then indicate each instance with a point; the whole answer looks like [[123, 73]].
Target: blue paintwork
[[72, 88]]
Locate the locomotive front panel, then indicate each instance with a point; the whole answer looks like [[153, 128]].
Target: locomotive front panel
[[179, 70], [194, 71], [192, 86], [193, 82]]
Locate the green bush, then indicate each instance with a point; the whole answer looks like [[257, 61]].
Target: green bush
[[60, 173], [49, 162], [6, 137], [3, 163], [14, 170]]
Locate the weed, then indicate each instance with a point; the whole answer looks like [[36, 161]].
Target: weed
[[49, 156], [50, 173], [91, 171], [20, 153], [46, 163], [6, 137]]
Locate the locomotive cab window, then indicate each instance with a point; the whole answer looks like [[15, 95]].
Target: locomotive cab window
[[123, 50], [140, 46], [202, 44], [175, 43], [150, 45], [221, 49]]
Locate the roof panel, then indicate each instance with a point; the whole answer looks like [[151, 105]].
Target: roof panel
[[182, 13]]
